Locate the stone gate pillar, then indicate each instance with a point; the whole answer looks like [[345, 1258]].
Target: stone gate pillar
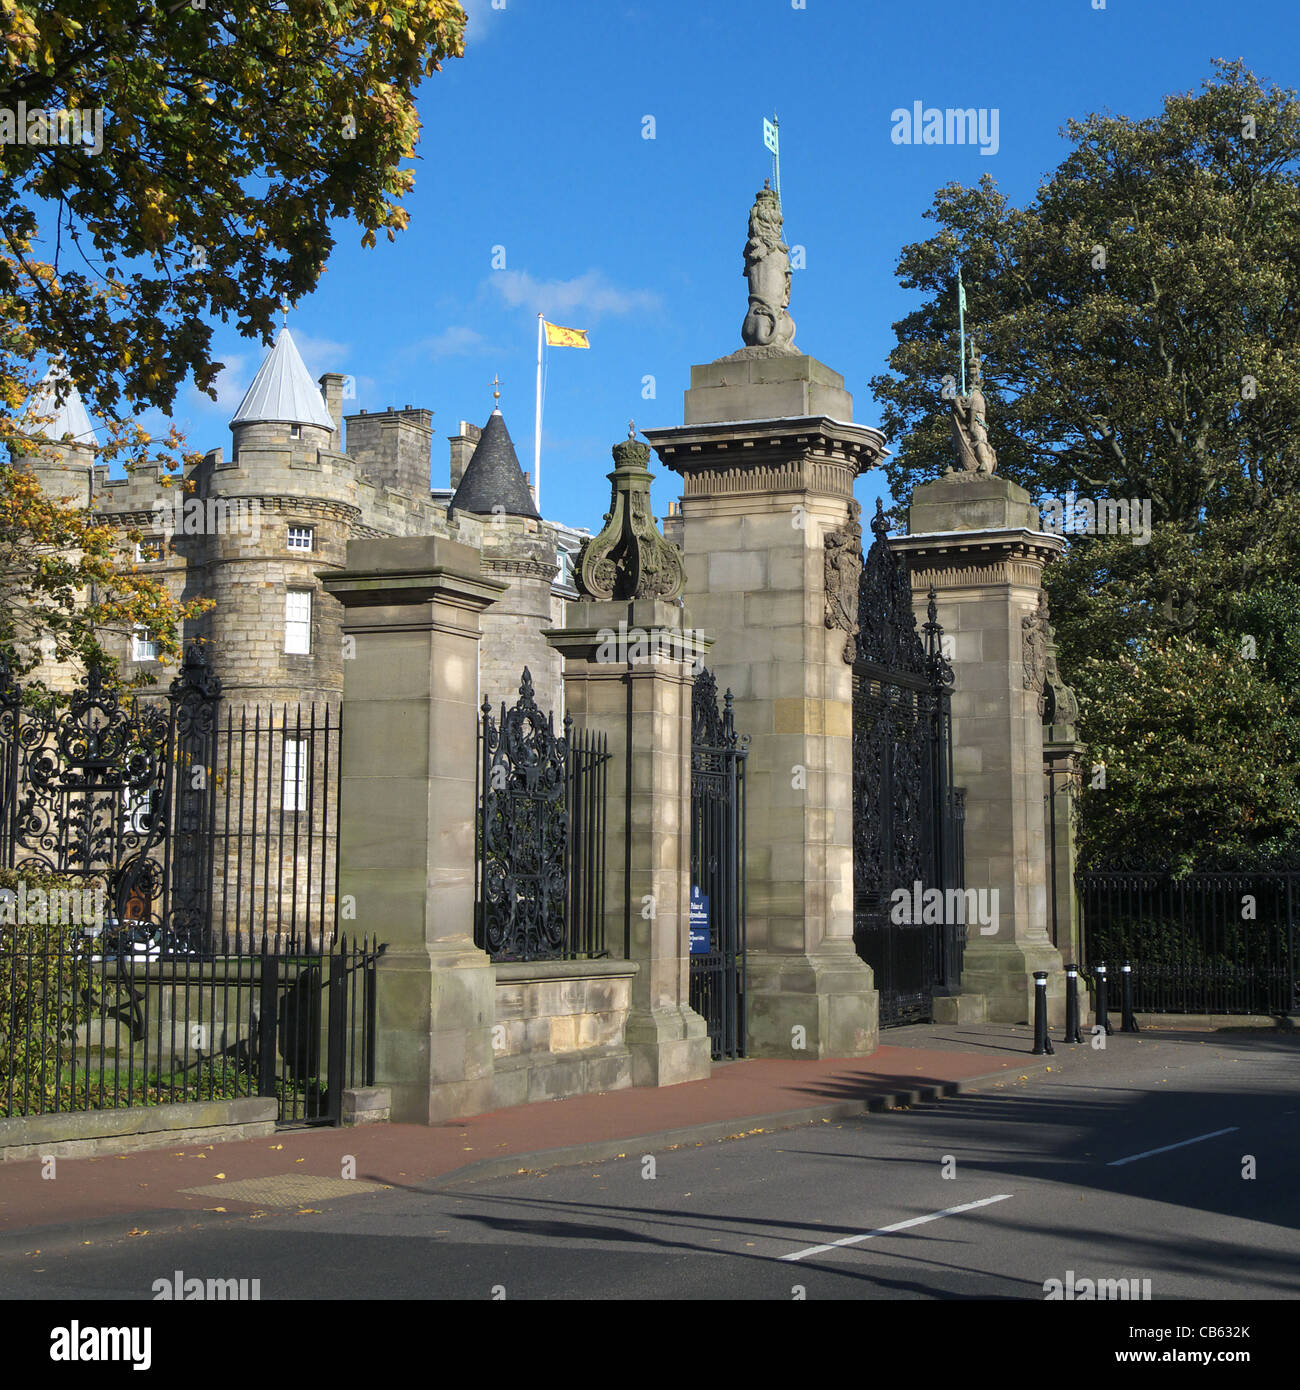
[[628, 657], [976, 537], [408, 810], [768, 456]]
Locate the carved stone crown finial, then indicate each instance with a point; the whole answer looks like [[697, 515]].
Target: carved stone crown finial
[[630, 557]]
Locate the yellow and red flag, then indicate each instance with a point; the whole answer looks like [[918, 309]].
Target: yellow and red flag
[[566, 337]]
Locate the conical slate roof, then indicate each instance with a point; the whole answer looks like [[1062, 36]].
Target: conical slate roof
[[69, 418], [283, 392], [493, 476]]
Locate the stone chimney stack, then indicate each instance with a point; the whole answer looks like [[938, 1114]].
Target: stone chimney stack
[[462, 449], [331, 389]]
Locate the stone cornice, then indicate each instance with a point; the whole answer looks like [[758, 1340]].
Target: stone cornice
[[811, 453], [403, 588], [536, 569], [955, 559], [298, 506]]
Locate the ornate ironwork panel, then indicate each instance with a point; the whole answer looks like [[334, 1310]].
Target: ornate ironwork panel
[[717, 974], [541, 835], [905, 811], [116, 791]]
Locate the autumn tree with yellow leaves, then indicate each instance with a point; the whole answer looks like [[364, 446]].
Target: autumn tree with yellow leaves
[[216, 149]]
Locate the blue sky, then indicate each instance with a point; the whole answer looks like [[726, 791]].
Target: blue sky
[[534, 142]]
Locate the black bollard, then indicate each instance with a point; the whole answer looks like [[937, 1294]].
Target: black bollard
[[1072, 1034], [1103, 1013], [1128, 1022], [1042, 1043]]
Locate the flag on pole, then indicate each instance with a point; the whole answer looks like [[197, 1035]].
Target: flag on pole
[[770, 136], [566, 337], [961, 293]]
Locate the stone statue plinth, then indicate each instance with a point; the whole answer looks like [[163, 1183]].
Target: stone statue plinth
[[764, 387]]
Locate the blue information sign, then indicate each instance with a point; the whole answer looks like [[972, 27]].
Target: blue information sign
[[699, 922]]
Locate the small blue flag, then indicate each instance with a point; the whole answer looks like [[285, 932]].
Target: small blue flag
[[769, 135]]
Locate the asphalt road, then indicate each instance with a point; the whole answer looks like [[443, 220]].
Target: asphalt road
[[1049, 1174]]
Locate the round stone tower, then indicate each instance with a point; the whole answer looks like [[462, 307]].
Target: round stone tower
[[258, 527]]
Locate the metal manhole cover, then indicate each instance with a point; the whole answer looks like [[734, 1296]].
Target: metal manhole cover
[[290, 1190]]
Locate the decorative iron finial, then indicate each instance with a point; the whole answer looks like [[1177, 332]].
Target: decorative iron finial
[[284, 313], [631, 429], [938, 666], [630, 557], [196, 674], [496, 391], [879, 525]]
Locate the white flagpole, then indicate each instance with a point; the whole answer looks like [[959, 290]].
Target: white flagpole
[[776, 156], [537, 423]]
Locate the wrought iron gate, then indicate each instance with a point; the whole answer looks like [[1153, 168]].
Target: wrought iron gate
[[540, 870], [906, 830], [717, 967]]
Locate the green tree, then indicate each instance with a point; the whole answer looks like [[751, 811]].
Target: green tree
[[233, 138], [216, 150], [1140, 336]]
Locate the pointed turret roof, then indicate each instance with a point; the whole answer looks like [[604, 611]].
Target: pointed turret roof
[[493, 476], [282, 391], [70, 417]]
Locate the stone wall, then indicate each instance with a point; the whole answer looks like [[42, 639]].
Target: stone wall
[[560, 1029]]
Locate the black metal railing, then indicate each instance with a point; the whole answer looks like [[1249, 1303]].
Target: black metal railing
[[274, 824], [1211, 942], [540, 870], [202, 824], [106, 1021]]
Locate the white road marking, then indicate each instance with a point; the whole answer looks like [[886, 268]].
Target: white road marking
[[897, 1226], [1182, 1144]]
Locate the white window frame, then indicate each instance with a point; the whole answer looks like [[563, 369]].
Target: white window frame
[[143, 647], [295, 431], [297, 627], [297, 532], [143, 559], [293, 781]]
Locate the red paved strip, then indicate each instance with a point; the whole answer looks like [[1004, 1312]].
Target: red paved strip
[[91, 1189]]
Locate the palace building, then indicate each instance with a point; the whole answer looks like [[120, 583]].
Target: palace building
[[255, 529]]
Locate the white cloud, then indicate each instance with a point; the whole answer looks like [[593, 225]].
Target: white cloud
[[320, 354], [230, 383], [591, 295], [482, 16], [458, 340]]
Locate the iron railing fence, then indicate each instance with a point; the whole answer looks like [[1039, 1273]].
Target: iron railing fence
[[1212, 942], [208, 828], [540, 851], [85, 1025], [274, 825]]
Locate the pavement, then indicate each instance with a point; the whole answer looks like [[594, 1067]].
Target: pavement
[[1159, 1166], [110, 1196]]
